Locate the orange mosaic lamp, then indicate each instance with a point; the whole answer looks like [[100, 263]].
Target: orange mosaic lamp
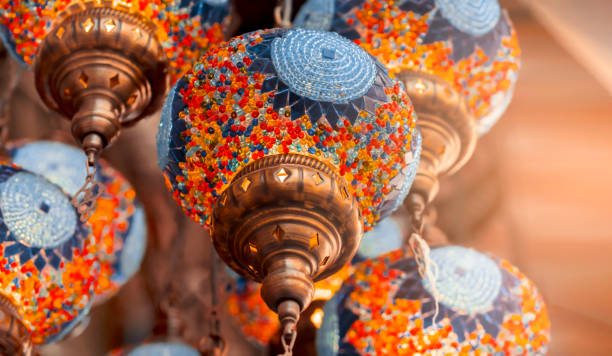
[[458, 59], [104, 64], [118, 223], [48, 262], [486, 307]]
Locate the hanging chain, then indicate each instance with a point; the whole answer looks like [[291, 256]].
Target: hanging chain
[[214, 337], [85, 198], [282, 13], [288, 340], [428, 269]]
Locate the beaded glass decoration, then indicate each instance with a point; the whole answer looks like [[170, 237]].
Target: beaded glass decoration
[[287, 91], [48, 264], [186, 28], [158, 349], [486, 307], [470, 43], [118, 223]]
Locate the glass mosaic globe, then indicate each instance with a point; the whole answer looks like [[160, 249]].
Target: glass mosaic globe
[[118, 223], [487, 307], [275, 92], [48, 260], [186, 28], [158, 349], [470, 43]]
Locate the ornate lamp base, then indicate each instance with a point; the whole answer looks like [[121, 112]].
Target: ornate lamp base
[[102, 67], [447, 126], [14, 336], [287, 221]]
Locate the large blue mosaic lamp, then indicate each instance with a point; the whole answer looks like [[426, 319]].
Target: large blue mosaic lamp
[[287, 145], [486, 306]]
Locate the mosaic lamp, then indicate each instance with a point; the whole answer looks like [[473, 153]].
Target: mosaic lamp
[[106, 63], [47, 261], [459, 60], [158, 349], [287, 144], [486, 306], [118, 223]]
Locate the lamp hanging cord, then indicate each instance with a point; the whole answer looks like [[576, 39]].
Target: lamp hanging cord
[[85, 198], [428, 269], [282, 14]]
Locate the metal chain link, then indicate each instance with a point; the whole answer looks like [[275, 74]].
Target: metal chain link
[[85, 198], [288, 346]]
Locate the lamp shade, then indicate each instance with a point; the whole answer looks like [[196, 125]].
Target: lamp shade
[[487, 306], [118, 223], [278, 92], [185, 28], [47, 259], [471, 44]]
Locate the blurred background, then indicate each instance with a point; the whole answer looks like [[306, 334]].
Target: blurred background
[[537, 191]]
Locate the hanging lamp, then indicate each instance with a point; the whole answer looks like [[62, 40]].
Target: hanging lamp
[[286, 144], [118, 223], [486, 306], [458, 59], [47, 259], [106, 64]]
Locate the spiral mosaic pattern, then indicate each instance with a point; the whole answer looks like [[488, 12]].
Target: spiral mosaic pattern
[[37, 212], [236, 107], [322, 66], [467, 280], [476, 17], [469, 43], [61, 164], [48, 259], [115, 224], [385, 308]]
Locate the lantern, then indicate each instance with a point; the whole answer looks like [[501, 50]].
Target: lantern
[[49, 266], [486, 306], [106, 64], [118, 223], [458, 59], [287, 143]]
